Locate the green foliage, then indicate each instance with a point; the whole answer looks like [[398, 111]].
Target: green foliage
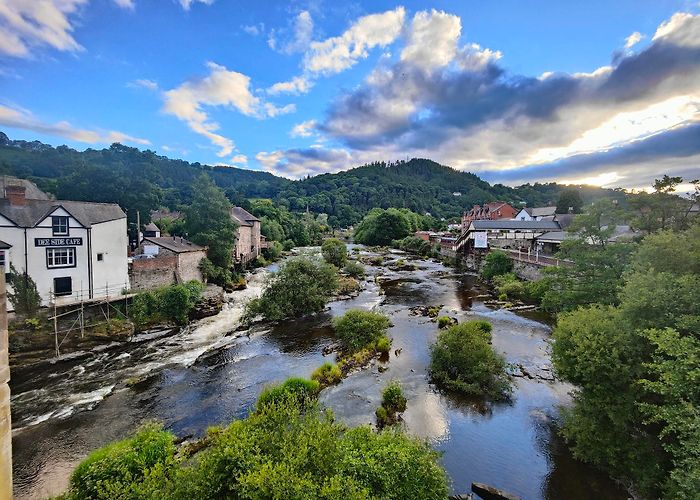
[[393, 398], [300, 390], [444, 322], [327, 374], [463, 359], [169, 303], [662, 209], [215, 274], [381, 227], [208, 221], [570, 201], [24, 295], [301, 286], [417, 246], [32, 323], [496, 264], [636, 365], [358, 329], [120, 469], [274, 250], [509, 286], [354, 269], [383, 344], [334, 252]]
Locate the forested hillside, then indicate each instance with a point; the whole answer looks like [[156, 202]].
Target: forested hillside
[[143, 180]]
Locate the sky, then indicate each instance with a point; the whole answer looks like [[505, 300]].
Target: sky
[[598, 92]]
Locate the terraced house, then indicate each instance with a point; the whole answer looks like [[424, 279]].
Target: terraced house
[[72, 250]]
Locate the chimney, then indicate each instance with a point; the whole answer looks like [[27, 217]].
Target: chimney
[[16, 194]]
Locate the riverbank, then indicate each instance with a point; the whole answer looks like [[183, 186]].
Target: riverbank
[[511, 446]]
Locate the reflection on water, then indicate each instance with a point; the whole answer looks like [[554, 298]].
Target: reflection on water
[[512, 445]]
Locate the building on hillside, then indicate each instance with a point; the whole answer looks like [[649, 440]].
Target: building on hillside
[[151, 231], [73, 250], [496, 210], [165, 260], [535, 213], [248, 237], [514, 234]]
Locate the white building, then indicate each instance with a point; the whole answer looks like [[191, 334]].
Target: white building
[[536, 213], [72, 250]]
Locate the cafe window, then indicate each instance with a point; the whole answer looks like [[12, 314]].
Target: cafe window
[[60, 257], [63, 286], [59, 225]]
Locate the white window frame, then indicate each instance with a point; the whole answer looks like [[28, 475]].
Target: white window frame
[[5, 257], [67, 260], [60, 219]]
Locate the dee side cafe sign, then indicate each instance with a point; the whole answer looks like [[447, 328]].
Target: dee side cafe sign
[[58, 242]]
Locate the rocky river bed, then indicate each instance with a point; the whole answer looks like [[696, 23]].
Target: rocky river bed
[[209, 373]]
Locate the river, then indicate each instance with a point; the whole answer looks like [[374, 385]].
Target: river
[[205, 375]]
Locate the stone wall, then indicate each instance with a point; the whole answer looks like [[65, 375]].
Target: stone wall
[[153, 273], [189, 265], [527, 271], [5, 423]]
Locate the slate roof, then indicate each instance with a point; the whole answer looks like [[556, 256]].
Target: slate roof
[[243, 217], [542, 211], [87, 213], [32, 192], [151, 227], [534, 225], [554, 236], [174, 244]]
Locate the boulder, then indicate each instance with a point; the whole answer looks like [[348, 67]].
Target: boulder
[[488, 492]]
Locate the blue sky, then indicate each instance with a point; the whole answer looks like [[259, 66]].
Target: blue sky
[[600, 92]]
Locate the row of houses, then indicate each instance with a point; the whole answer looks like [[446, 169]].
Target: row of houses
[[79, 251]]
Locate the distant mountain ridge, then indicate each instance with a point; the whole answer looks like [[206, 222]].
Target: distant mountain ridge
[[142, 180]]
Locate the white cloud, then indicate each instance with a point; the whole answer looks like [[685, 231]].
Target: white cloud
[[303, 129], [432, 40], [301, 34], [186, 4], [23, 119], [271, 110], [25, 25], [143, 83], [297, 85], [126, 4], [473, 58], [336, 54], [298, 163], [682, 29], [633, 39], [239, 159], [254, 29]]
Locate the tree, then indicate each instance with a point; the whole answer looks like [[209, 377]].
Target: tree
[[24, 297], [381, 227], [335, 252], [358, 329], [497, 263], [569, 202], [208, 221], [662, 209]]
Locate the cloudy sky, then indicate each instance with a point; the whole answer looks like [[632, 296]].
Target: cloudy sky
[[601, 92]]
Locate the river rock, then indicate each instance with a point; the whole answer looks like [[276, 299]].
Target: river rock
[[488, 492], [210, 304]]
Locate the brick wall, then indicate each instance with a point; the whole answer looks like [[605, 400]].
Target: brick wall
[[152, 273]]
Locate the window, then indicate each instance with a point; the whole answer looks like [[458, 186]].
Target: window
[[100, 257], [3, 261], [62, 286], [59, 225], [60, 257]]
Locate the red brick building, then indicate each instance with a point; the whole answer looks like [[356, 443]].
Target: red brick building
[[494, 210]]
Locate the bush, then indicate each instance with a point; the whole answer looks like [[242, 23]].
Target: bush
[[444, 322], [509, 285], [287, 245], [354, 269], [393, 399], [24, 296], [215, 274], [503, 297], [298, 389], [169, 303], [497, 263], [327, 374], [117, 470], [347, 286], [334, 252], [358, 328], [463, 359], [417, 246], [383, 344], [301, 286], [284, 450], [274, 250]]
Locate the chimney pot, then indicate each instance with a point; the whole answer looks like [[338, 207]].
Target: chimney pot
[[17, 195]]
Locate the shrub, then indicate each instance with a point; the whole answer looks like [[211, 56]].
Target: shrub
[[298, 389], [393, 399], [383, 344], [117, 470], [274, 250], [444, 322], [354, 269], [503, 297], [24, 296], [463, 359], [169, 303], [287, 450], [358, 328], [334, 252], [497, 263], [327, 374], [287, 245], [301, 286], [382, 417], [32, 323], [347, 286], [417, 246]]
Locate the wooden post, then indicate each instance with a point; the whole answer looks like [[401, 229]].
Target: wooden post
[[55, 326]]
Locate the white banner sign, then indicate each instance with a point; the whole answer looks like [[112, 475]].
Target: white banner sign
[[481, 240]]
